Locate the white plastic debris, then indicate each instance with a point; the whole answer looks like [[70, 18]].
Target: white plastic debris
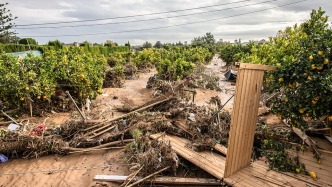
[[192, 117], [13, 127]]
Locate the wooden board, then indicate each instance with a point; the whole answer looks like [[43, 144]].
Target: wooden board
[[257, 174], [323, 169], [243, 123], [210, 162], [162, 180], [183, 126], [256, 67]]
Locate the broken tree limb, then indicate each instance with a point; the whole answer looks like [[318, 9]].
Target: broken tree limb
[[99, 146], [131, 177], [9, 117], [10, 111], [163, 180], [149, 176], [88, 150], [78, 109], [305, 138], [123, 116], [214, 115]]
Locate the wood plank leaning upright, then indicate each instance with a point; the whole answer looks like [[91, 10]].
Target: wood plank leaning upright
[[243, 124]]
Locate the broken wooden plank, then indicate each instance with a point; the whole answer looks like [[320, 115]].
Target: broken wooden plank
[[220, 148], [209, 162], [162, 180], [257, 174]]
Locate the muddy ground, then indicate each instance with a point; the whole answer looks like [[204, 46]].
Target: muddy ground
[[79, 169]]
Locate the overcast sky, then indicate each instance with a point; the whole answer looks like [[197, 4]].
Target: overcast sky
[[225, 19]]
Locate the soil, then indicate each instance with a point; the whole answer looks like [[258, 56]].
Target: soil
[[80, 168]]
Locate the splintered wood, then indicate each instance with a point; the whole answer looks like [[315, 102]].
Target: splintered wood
[[208, 161]]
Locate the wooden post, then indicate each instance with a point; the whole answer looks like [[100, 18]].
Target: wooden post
[[243, 124]]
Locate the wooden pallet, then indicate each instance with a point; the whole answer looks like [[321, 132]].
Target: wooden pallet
[[210, 162]]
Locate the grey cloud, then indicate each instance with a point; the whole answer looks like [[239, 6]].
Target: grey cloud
[[57, 10]]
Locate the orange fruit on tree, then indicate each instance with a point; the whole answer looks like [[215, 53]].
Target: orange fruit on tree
[[313, 101], [329, 118], [320, 53], [309, 78], [311, 57], [326, 61], [313, 67], [281, 79], [301, 110]]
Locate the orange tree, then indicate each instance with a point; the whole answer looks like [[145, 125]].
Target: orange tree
[[304, 76], [38, 78]]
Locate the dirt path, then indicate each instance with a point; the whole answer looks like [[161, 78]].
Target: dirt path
[[79, 169]]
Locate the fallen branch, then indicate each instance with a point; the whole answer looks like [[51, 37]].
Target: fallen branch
[[149, 176], [131, 177], [122, 116], [97, 147], [305, 138], [163, 180], [88, 150]]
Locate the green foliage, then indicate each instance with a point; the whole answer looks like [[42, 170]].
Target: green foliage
[[207, 39], [174, 70], [56, 44], [119, 70], [158, 45], [24, 79], [147, 58], [6, 24], [10, 48], [234, 53], [85, 44], [28, 41], [303, 56], [147, 45], [38, 78], [127, 44]]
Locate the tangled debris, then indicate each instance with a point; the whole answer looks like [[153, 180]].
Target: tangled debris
[[159, 85], [113, 80], [150, 155], [203, 79]]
